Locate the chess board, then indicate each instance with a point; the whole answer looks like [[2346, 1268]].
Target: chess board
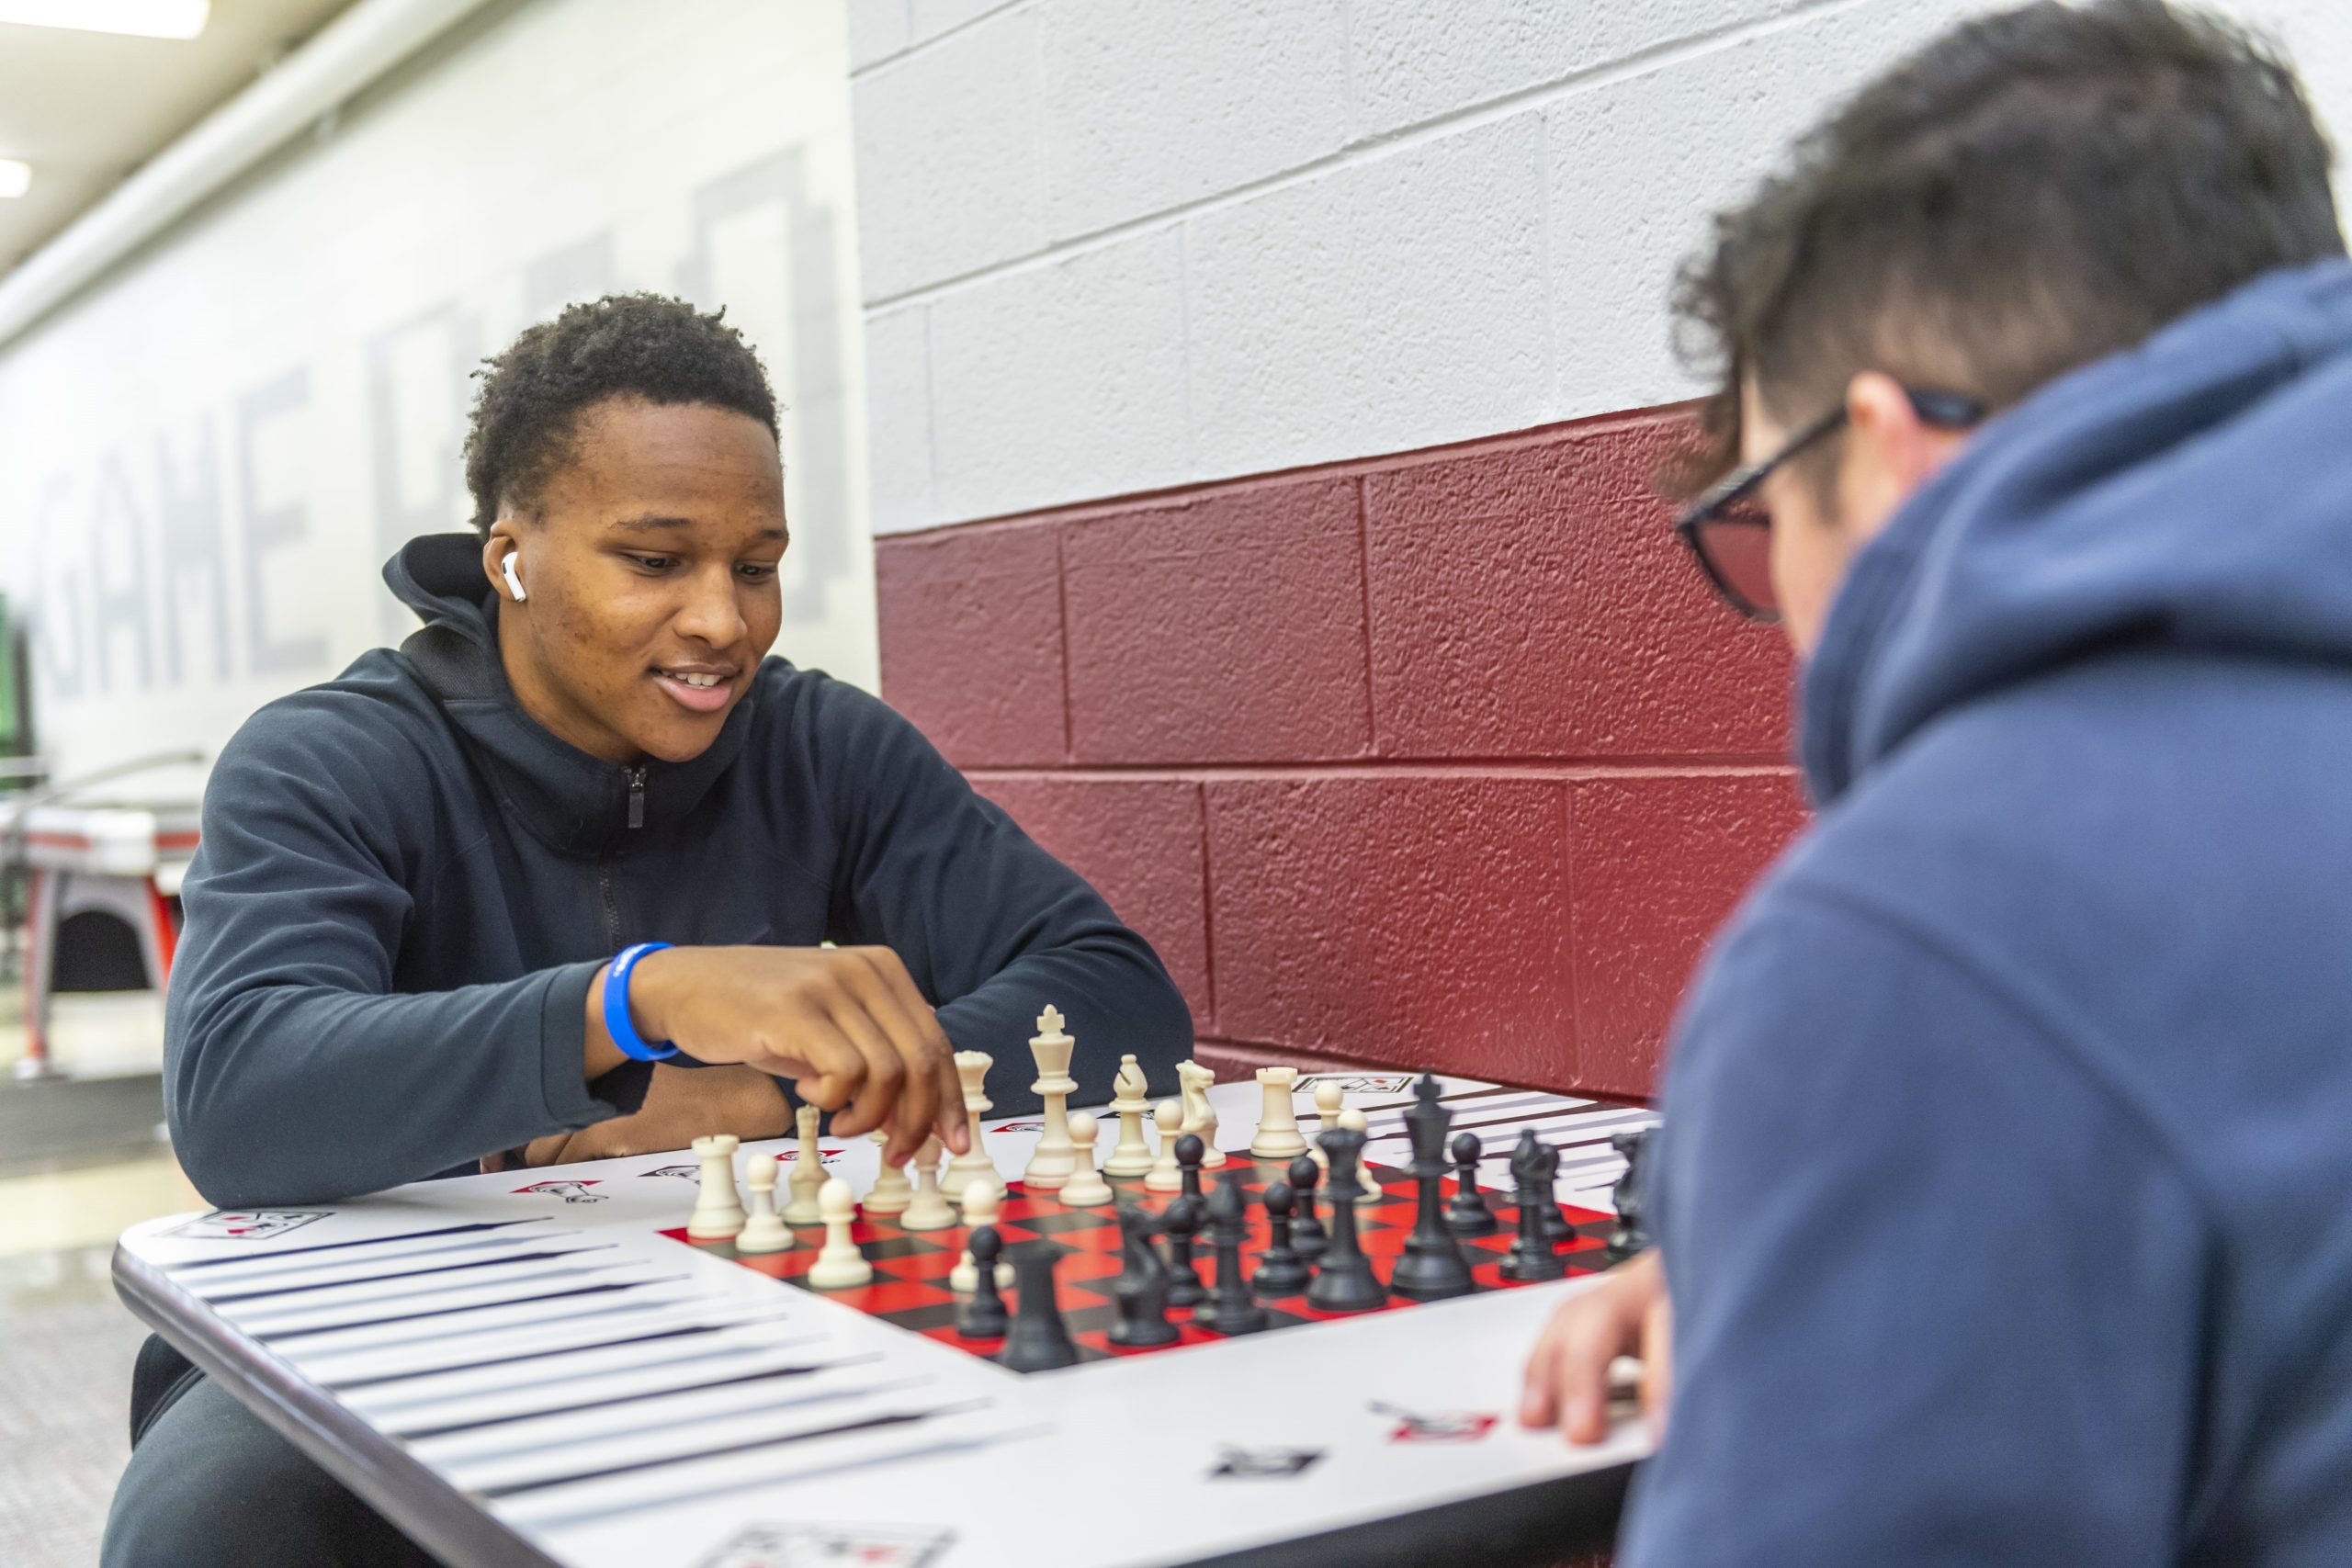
[[910, 1288]]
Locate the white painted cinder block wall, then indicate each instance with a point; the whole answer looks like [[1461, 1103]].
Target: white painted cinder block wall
[[205, 460], [1112, 245]]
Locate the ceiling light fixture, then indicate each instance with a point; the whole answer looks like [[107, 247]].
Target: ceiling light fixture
[[140, 19], [16, 178]]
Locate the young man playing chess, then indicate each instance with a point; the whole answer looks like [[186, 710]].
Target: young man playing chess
[[457, 908], [2002, 1188]]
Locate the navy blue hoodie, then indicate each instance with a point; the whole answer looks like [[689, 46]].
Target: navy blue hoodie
[[2006, 1185], [406, 885]]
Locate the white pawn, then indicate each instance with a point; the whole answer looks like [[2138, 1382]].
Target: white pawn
[[1167, 1176], [718, 1209], [1329, 1096], [982, 1206], [765, 1230], [891, 1190], [1086, 1186], [1200, 1116], [1367, 1189], [841, 1263], [928, 1210], [1129, 1098], [808, 1172]]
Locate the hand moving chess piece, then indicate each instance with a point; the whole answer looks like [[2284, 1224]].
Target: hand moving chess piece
[[1531, 1258], [1432, 1267], [1230, 1309], [1085, 1187], [1307, 1232], [840, 1264], [1142, 1288], [891, 1190], [718, 1209], [1039, 1340], [1130, 1102], [973, 1164], [808, 1171], [765, 1230], [1280, 1271], [1051, 1161], [1278, 1135], [980, 1208], [1165, 1177], [1468, 1214], [1200, 1117], [1343, 1280], [928, 1210], [982, 1316]]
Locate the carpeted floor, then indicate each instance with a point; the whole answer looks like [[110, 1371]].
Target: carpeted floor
[[64, 1397]]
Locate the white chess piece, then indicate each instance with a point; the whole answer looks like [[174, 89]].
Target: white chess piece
[[928, 1210], [891, 1190], [1167, 1176], [1130, 1098], [1200, 1116], [1367, 1189], [974, 1165], [1086, 1186], [718, 1209], [840, 1264], [765, 1230], [1051, 1163], [808, 1171], [1278, 1135], [1330, 1096], [981, 1205]]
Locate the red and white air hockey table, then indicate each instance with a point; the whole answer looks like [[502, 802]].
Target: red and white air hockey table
[[523, 1371]]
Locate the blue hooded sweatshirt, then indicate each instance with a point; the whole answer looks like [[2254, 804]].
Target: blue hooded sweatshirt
[[2006, 1190]]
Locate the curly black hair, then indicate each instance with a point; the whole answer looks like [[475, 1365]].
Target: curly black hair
[[624, 345]]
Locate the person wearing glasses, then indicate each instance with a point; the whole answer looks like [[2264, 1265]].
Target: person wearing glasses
[[2002, 1196]]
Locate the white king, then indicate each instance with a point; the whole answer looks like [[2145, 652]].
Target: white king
[[1054, 1158]]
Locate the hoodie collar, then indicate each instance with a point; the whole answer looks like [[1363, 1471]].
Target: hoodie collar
[[2192, 494], [570, 800]]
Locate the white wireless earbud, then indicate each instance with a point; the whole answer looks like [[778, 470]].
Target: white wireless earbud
[[514, 583]]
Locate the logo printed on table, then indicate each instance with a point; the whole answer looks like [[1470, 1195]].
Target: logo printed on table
[[682, 1172], [1360, 1083], [1451, 1427], [831, 1545], [1264, 1464], [571, 1191], [247, 1225]]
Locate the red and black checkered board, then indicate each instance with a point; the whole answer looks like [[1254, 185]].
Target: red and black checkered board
[[910, 1268]]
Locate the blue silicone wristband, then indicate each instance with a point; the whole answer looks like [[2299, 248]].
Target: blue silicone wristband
[[617, 1022]]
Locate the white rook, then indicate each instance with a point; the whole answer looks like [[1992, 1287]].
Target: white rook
[[1278, 1135]]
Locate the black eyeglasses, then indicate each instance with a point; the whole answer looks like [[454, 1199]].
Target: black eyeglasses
[[1731, 536]]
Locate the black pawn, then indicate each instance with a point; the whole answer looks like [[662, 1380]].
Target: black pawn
[[1432, 1267], [1307, 1232], [1182, 1223], [1190, 1152], [983, 1316], [1468, 1214], [1281, 1272], [1532, 1256], [1231, 1309], [1632, 1233], [1142, 1289], [1344, 1281], [1039, 1340]]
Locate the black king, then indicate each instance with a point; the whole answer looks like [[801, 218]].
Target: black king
[[1432, 1267]]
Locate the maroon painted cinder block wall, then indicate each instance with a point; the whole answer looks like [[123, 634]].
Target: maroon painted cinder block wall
[[1441, 760]]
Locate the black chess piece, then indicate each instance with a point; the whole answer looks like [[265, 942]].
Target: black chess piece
[[1230, 1309], [1281, 1271], [1631, 1234], [1182, 1223], [1343, 1280], [1468, 1213], [983, 1316], [1432, 1267], [1533, 1258], [1142, 1288], [1307, 1232], [1039, 1340], [1190, 1152]]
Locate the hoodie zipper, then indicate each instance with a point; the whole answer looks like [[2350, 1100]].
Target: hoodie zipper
[[636, 799], [605, 893]]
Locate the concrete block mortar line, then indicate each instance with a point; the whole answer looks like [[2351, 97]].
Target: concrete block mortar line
[[1639, 62], [1462, 769], [923, 45]]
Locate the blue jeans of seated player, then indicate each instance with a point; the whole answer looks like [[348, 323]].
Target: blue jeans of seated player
[[211, 1485]]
